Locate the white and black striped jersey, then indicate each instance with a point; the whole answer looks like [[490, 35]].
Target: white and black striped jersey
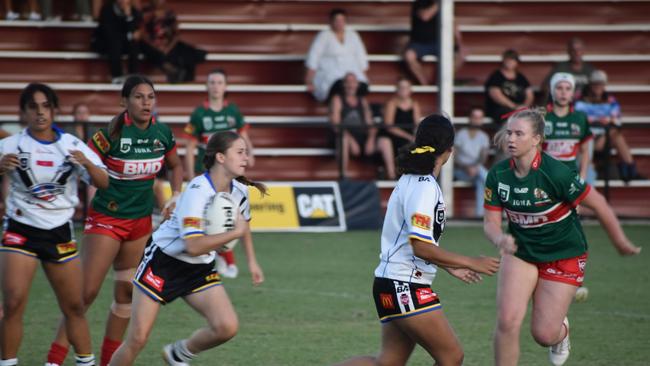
[[416, 210], [43, 188], [188, 218]]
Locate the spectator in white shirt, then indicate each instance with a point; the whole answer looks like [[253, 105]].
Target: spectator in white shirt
[[471, 148], [335, 52]]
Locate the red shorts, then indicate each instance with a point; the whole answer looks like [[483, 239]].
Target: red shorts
[[118, 229], [569, 270]]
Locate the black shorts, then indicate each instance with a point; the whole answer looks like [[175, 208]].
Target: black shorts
[[165, 278], [56, 245], [396, 299]]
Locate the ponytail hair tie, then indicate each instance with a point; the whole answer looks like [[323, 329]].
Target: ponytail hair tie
[[423, 149]]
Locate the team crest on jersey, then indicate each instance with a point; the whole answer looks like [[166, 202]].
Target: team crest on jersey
[[125, 144], [548, 129], [158, 146], [575, 130], [231, 121], [101, 142], [487, 194], [189, 129], [207, 123], [503, 191], [421, 221], [541, 197]]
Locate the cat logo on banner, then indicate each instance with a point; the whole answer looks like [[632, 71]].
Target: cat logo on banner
[[298, 206]]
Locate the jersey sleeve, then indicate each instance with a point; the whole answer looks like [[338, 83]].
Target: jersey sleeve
[[190, 211], [419, 211], [169, 140], [587, 134], [572, 188], [193, 128], [90, 155], [241, 124], [490, 196], [100, 143]]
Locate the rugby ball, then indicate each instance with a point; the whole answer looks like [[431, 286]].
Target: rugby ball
[[220, 216]]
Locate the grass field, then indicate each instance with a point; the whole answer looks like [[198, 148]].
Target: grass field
[[315, 307]]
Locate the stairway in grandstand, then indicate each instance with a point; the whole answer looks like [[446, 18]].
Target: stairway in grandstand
[[262, 44]]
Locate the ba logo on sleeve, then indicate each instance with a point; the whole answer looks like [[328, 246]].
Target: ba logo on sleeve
[[487, 194], [504, 192], [421, 221]]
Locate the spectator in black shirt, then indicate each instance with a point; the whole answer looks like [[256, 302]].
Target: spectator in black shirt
[[507, 90]]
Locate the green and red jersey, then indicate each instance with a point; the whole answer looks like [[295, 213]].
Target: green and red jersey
[[133, 160], [540, 208], [204, 122], [564, 135]]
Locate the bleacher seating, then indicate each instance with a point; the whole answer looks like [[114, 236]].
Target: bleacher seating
[[262, 45]]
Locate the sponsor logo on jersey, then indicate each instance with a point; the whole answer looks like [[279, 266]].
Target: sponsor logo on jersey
[[387, 301], [212, 277], [153, 280], [504, 192], [141, 141], [487, 194], [562, 124], [141, 150], [404, 299], [10, 238], [193, 222], [101, 142], [424, 179], [525, 203], [142, 168], [425, 295], [556, 213], [45, 163], [65, 248], [112, 206], [316, 206], [582, 263], [207, 123], [421, 221], [521, 190], [548, 129], [125, 144], [525, 219]]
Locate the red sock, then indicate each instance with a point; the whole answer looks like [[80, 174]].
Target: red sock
[[228, 256], [109, 347], [57, 354]]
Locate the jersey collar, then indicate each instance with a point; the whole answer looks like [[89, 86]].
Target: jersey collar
[[207, 176], [536, 163], [57, 135], [206, 103]]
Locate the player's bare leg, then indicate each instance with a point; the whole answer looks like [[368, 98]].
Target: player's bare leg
[[396, 348], [517, 281]]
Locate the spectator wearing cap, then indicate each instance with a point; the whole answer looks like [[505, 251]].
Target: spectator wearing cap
[[335, 52], [576, 66], [507, 90], [604, 114], [566, 131]]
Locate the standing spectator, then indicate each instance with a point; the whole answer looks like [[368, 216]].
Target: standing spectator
[[507, 89], [335, 52], [15, 15], [566, 132], [604, 114], [402, 110], [162, 46], [352, 112], [471, 149], [83, 11], [118, 34], [576, 66]]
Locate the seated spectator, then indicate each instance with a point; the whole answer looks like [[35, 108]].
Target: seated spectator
[[576, 66], [425, 38], [83, 11], [352, 112], [566, 131], [401, 110], [507, 89], [162, 46], [471, 148], [604, 114], [117, 34], [15, 15], [335, 52]]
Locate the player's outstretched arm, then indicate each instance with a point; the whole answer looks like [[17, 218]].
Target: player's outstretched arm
[[494, 233], [610, 223], [464, 274], [445, 258]]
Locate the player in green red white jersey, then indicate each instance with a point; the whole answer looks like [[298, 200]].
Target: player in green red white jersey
[[567, 131], [545, 250], [215, 115], [134, 147]]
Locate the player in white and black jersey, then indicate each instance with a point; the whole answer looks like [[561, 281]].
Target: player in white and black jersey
[[409, 310], [43, 164], [179, 259]]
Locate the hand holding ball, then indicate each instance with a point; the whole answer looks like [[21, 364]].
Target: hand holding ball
[[221, 216]]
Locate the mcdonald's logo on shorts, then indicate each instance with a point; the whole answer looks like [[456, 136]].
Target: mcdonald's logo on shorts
[[387, 301], [66, 248]]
